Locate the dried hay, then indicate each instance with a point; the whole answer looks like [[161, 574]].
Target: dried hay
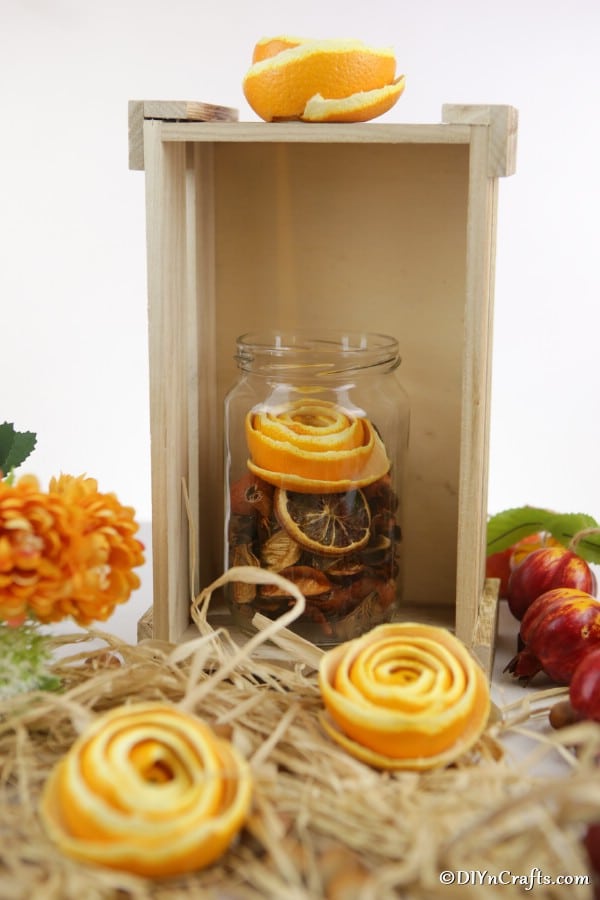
[[323, 825]]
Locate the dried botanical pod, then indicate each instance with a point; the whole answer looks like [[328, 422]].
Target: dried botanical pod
[[404, 696], [369, 582], [336, 602], [241, 530], [241, 591], [380, 494], [347, 567], [310, 581], [369, 612], [250, 495], [280, 551], [377, 550], [563, 714]]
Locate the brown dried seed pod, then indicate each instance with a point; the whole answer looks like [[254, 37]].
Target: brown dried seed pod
[[377, 550], [369, 612], [347, 567], [241, 529], [280, 551], [310, 581], [250, 495], [243, 556], [384, 523], [337, 602], [380, 494], [563, 714]]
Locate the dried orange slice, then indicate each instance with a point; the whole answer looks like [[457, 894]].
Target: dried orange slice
[[332, 524], [287, 74], [147, 789], [314, 446], [404, 696]]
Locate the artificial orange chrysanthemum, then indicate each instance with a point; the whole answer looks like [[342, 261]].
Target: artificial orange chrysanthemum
[[69, 551]]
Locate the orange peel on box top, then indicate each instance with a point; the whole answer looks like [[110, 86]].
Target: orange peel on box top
[[314, 446], [147, 789], [321, 80], [404, 696]]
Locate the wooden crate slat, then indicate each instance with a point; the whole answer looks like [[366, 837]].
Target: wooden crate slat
[[169, 110], [247, 224]]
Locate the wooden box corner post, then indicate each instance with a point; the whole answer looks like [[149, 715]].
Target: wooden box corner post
[[373, 226]]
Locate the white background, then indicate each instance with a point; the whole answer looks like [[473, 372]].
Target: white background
[[73, 355]]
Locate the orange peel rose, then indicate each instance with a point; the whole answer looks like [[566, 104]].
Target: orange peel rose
[[314, 446], [147, 789], [404, 696], [321, 80]]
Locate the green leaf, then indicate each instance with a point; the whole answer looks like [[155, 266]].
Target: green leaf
[[589, 548], [7, 436], [506, 528], [15, 446], [564, 526]]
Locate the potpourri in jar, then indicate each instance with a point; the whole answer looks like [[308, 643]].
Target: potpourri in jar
[[313, 485]]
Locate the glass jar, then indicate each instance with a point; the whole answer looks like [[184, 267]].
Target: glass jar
[[316, 433]]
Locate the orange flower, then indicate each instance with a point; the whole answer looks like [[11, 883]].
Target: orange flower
[[404, 696], [68, 551], [149, 789], [314, 446]]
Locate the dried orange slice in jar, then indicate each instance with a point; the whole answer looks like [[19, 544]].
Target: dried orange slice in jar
[[332, 524], [321, 80], [314, 446], [147, 789], [404, 696]]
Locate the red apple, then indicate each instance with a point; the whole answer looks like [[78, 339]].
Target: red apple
[[558, 629], [497, 565], [502, 564], [528, 544], [584, 688], [591, 842], [544, 570]]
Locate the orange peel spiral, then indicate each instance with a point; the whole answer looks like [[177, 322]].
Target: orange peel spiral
[[404, 696], [321, 80], [312, 446], [147, 789]]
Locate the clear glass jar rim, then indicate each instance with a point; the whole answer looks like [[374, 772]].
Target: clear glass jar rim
[[332, 350]]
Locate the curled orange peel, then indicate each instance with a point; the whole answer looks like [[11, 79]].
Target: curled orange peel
[[359, 107], [314, 446], [147, 789], [321, 80], [404, 696], [270, 46]]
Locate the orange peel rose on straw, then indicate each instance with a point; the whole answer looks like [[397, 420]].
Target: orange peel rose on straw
[[149, 789], [321, 80], [313, 446], [404, 696]]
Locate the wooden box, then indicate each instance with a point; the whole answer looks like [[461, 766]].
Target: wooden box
[[382, 227]]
